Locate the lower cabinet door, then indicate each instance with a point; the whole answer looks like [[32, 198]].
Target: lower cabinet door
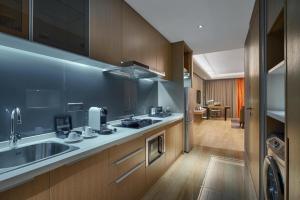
[[179, 139], [130, 185], [170, 145], [86, 179], [36, 189], [155, 170]]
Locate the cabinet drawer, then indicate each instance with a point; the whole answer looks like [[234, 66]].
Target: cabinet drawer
[[127, 162], [121, 151], [130, 185], [125, 156]]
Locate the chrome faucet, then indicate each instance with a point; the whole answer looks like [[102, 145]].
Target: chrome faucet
[[14, 137]]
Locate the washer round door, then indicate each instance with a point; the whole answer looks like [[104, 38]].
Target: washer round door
[[273, 182]]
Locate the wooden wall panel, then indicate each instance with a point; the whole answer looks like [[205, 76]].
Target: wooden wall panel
[[252, 63], [293, 95]]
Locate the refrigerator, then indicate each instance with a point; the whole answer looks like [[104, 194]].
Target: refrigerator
[[189, 105]]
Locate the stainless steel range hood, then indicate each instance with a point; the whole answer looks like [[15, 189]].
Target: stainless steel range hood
[[134, 70]]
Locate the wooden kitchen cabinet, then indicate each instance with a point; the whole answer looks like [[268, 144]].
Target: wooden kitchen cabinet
[[127, 170], [170, 145], [132, 185], [155, 170], [178, 128], [36, 189], [62, 24], [106, 30], [163, 58], [86, 179], [124, 157], [138, 38], [14, 18], [174, 142]]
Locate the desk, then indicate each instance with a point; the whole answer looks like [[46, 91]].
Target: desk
[[225, 108]]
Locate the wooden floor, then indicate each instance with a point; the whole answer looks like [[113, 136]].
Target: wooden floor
[[218, 134], [185, 177]]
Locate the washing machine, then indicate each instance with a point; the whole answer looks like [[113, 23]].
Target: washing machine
[[274, 169]]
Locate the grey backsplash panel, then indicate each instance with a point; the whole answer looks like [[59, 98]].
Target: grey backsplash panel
[[42, 87], [170, 94]]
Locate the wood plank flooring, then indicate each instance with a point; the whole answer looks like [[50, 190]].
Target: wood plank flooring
[[217, 133], [184, 178]]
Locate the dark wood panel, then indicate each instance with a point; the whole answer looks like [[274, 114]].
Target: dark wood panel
[[275, 43], [106, 30], [252, 62], [62, 24], [274, 8], [293, 96], [14, 18]]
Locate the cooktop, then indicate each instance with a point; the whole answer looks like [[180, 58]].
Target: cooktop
[[136, 123]]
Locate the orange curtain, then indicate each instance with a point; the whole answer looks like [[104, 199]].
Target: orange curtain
[[240, 94]]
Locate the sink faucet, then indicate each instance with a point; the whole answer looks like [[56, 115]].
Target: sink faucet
[[14, 137]]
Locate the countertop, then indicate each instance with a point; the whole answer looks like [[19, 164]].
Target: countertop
[[87, 148]]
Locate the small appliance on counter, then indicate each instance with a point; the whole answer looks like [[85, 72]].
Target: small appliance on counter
[[62, 125], [159, 112], [98, 121]]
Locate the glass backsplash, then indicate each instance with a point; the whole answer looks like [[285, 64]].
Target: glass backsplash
[[43, 87]]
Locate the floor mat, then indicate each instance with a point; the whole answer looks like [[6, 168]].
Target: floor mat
[[224, 180]]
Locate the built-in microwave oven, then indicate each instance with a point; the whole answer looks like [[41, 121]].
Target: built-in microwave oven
[[155, 147]]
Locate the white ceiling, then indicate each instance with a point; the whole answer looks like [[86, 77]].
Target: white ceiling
[[225, 22], [222, 64]]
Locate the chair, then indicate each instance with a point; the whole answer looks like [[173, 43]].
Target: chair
[[215, 112], [242, 117]]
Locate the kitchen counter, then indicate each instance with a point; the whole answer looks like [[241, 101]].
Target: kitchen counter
[[87, 148]]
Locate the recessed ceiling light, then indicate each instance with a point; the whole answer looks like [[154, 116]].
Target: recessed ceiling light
[[200, 26]]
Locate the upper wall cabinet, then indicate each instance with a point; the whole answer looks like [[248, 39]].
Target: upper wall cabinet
[[14, 17], [138, 39], [62, 24], [143, 43], [163, 59], [106, 30]]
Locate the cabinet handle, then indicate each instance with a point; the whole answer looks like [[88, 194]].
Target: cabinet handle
[[128, 156], [124, 176]]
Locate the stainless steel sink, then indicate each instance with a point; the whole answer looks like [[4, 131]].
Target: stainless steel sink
[[16, 158]]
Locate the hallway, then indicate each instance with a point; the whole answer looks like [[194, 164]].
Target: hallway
[[184, 179]]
